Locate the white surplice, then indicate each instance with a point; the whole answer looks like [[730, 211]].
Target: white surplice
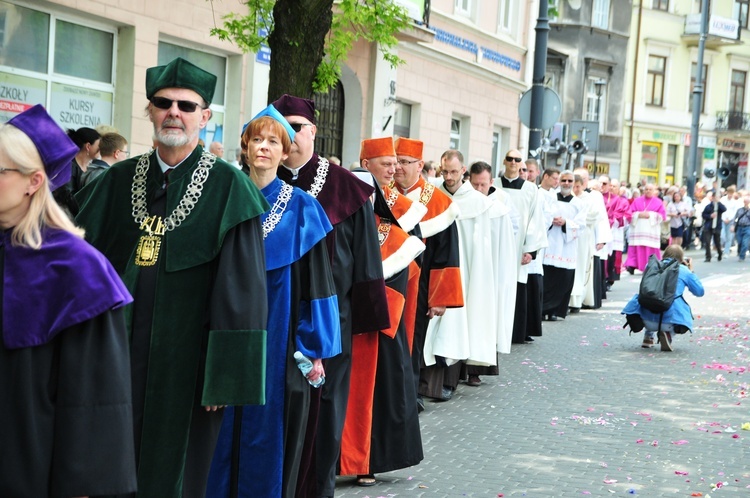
[[476, 331]]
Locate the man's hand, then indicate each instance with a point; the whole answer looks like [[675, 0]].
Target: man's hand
[[643, 214], [435, 311], [558, 221], [525, 259], [213, 408]]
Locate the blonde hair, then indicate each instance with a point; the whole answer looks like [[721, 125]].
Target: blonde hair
[[43, 210]]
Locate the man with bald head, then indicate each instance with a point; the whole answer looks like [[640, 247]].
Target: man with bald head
[[530, 238]]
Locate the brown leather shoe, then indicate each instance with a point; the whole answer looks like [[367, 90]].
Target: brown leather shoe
[[474, 381]]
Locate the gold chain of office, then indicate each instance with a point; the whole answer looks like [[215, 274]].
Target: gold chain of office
[[147, 252]]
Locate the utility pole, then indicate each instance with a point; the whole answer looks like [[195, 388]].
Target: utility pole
[[697, 104], [537, 80]]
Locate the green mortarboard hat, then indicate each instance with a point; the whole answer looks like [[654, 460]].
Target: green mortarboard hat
[[180, 74]]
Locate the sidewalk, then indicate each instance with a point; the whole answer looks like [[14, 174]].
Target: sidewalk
[[585, 411]]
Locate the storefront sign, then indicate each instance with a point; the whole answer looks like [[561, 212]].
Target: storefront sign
[[599, 169], [722, 27], [731, 144], [74, 107], [18, 93], [705, 142], [709, 153], [472, 47]]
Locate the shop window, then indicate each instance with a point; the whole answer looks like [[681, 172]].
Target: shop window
[[61, 64], [650, 158]]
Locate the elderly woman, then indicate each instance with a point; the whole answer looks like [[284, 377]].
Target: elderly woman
[[678, 319], [259, 448], [65, 409]]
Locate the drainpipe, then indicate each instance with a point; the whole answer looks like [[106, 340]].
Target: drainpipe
[[632, 96]]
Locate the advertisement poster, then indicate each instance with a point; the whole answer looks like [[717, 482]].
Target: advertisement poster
[[18, 93], [75, 107]]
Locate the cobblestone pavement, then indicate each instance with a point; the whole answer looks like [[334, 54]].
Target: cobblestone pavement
[[584, 410]]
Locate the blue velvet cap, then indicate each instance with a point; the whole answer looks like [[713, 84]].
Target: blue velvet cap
[[56, 149], [271, 112]]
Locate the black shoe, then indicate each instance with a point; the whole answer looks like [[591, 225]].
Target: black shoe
[[707, 260], [420, 403], [575, 310], [447, 394], [551, 318], [630, 269], [719, 256]]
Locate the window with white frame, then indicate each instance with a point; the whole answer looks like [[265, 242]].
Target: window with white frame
[[464, 7], [657, 66], [42, 62], [600, 14], [596, 98], [660, 5], [506, 12], [214, 64], [455, 141], [554, 16], [402, 120]]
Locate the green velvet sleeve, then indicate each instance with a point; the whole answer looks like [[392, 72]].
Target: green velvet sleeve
[[235, 368]]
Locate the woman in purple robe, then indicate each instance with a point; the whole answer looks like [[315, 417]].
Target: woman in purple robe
[[65, 411]]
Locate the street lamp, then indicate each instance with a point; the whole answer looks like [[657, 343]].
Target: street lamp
[[599, 85]]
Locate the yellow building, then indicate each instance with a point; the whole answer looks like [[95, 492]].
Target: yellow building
[[662, 61]]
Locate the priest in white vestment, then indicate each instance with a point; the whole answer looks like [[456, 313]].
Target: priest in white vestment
[[470, 333], [568, 221], [531, 237]]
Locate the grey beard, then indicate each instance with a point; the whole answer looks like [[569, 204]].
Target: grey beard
[[171, 140]]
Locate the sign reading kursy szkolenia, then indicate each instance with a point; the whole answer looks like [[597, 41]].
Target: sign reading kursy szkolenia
[[74, 107]]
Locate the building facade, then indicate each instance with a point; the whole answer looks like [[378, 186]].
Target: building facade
[[85, 60], [588, 44], [662, 58]]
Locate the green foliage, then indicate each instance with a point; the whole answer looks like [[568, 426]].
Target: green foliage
[[375, 21], [552, 11]]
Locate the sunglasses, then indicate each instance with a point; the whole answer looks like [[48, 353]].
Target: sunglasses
[[566, 181], [183, 105], [298, 126], [511, 159]]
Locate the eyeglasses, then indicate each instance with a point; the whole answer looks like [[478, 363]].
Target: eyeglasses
[[125, 152], [183, 105], [405, 162], [511, 159], [297, 127], [450, 173], [4, 170]]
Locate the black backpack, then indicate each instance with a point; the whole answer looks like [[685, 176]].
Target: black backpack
[[659, 284]]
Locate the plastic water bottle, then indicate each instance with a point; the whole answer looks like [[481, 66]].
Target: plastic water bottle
[[305, 366]]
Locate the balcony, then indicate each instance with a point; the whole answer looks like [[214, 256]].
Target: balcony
[[722, 31], [733, 121]]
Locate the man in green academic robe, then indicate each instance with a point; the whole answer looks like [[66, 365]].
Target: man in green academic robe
[[182, 227]]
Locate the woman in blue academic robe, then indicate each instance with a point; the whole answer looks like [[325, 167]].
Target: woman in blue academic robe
[[259, 447]]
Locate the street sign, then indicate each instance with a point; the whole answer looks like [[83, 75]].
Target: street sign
[[551, 108]]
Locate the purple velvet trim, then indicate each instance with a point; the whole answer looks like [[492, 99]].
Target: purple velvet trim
[[342, 194], [367, 316], [45, 291]]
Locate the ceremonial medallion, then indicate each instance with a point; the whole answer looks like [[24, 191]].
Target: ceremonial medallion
[[148, 250]]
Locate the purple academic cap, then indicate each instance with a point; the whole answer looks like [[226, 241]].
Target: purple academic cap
[[55, 147], [289, 105]]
